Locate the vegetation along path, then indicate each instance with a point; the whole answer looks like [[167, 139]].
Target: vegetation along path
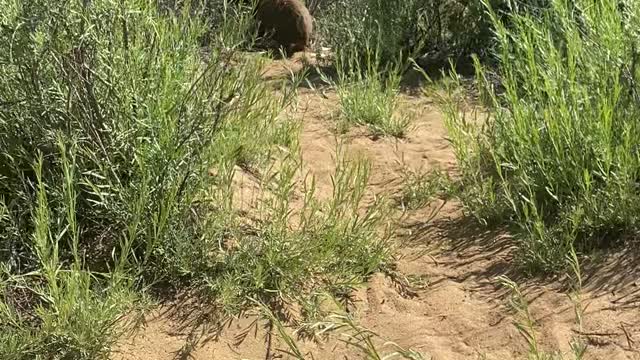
[[443, 298], [427, 180]]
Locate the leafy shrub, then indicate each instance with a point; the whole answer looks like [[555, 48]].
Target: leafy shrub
[[130, 92], [109, 118], [434, 31], [558, 156]]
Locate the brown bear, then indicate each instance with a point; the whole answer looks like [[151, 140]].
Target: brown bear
[[287, 22]]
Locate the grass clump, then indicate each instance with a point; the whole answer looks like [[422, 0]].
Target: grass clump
[[557, 156], [420, 188], [368, 94], [332, 246], [355, 25]]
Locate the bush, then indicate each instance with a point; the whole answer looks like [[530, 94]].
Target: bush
[[128, 91], [558, 156], [358, 25], [432, 30], [108, 123]]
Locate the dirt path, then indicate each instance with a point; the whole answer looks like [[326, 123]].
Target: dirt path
[[461, 312]]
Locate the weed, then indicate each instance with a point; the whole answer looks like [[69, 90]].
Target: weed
[[556, 151], [354, 335], [526, 324], [576, 287], [343, 328], [421, 188], [368, 95], [333, 245], [76, 312]]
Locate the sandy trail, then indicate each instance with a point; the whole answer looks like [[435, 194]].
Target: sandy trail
[[461, 312]]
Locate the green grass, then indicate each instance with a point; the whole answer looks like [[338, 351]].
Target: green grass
[[557, 158], [75, 309], [331, 247], [420, 188], [344, 328], [369, 94], [527, 326]]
